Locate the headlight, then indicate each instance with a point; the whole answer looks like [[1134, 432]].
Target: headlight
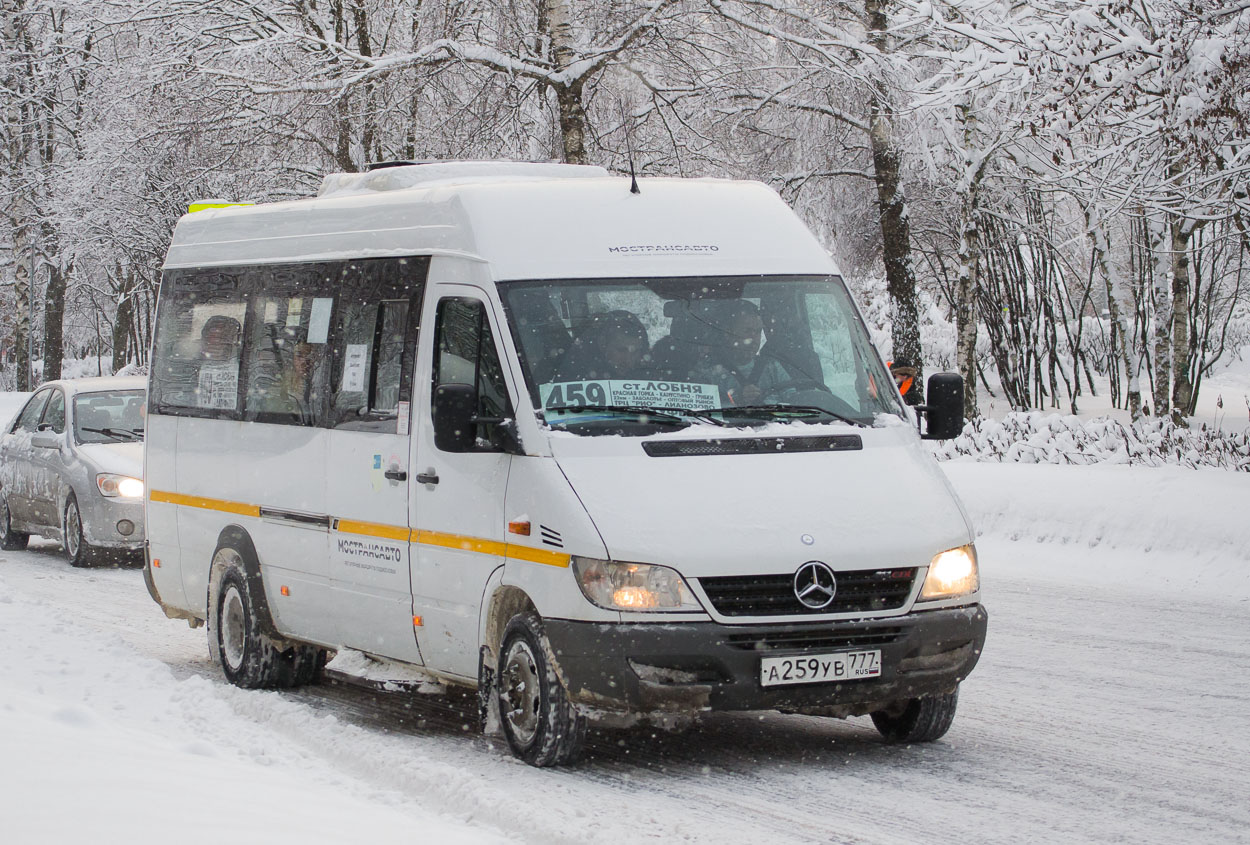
[[632, 586], [119, 485], [952, 573]]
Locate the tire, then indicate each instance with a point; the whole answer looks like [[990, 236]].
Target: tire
[[77, 550], [542, 727], [918, 719], [10, 540], [249, 659]]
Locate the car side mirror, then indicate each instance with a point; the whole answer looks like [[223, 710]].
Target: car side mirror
[[455, 406], [45, 440], [456, 422], [944, 406]]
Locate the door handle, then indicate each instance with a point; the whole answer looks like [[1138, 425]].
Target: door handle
[[430, 477], [396, 475]]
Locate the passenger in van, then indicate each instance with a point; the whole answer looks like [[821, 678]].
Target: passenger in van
[[625, 350], [296, 391], [731, 361], [217, 382], [611, 345]]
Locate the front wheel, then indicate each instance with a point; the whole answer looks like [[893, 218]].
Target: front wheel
[[543, 728], [77, 550], [10, 540], [918, 719]]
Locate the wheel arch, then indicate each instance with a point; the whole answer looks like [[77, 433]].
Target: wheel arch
[[235, 537], [505, 602]]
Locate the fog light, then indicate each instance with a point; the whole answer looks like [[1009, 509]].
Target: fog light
[[125, 527]]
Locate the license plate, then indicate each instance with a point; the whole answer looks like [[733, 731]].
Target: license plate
[[820, 668]]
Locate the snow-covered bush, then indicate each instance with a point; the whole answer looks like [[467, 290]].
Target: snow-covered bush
[[1037, 438]]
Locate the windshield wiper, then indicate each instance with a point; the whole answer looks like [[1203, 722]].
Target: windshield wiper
[[793, 410], [116, 433], [666, 416]]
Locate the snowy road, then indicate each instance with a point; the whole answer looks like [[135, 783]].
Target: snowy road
[[1115, 711]]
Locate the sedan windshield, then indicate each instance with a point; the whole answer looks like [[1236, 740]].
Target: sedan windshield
[[639, 355], [109, 416]]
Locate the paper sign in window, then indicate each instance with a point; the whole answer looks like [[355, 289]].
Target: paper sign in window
[[319, 319], [355, 364]]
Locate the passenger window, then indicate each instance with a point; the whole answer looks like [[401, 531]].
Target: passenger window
[[465, 353], [371, 376], [29, 418], [198, 344], [286, 353], [54, 416]]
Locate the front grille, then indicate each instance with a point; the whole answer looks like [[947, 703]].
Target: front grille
[[810, 638], [864, 591]]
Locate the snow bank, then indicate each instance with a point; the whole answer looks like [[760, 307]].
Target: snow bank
[[1038, 438], [1166, 528]]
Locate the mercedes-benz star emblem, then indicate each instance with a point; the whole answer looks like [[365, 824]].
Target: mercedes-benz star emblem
[[815, 585]]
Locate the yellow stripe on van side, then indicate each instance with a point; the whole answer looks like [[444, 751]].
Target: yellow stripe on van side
[[372, 529], [459, 541], [537, 555], [204, 502], [388, 532]]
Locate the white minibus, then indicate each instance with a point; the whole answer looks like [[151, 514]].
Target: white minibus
[[602, 454]]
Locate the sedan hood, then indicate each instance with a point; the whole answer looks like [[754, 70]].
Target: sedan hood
[[120, 458], [885, 505]]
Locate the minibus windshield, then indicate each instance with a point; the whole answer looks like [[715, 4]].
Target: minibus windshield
[[650, 354]]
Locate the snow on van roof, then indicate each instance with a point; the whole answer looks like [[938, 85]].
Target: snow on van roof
[[398, 178], [521, 223]]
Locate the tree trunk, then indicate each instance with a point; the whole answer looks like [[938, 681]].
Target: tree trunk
[[23, 274], [892, 204], [965, 303], [1117, 301], [125, 314], [558, 18], [1156, 246], [54, 322], [1182, 390]]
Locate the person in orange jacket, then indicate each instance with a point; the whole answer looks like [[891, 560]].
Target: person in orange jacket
[[905, 376]]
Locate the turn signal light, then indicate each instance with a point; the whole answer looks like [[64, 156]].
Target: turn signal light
[[521, 527], [286, 591]]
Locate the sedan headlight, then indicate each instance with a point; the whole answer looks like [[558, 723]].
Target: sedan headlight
[[632, 586], [119, 485], [952, 573]]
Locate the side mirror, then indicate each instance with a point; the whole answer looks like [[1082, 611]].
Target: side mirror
[[45, 440], [944, 406], [455, 406]]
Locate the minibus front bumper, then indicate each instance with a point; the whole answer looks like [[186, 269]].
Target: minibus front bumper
[[691, 667]]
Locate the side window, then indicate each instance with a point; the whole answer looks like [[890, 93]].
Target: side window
[[28, 419], [54, 415], [465, 354], [374, 344], [285, 353], [197, 347]]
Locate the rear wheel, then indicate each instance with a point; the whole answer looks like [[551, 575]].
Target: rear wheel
[[77, 550], [543, 728], [918, 719], [10, 540], [249, 658]]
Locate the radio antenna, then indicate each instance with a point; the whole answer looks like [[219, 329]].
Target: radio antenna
[[629, 150]]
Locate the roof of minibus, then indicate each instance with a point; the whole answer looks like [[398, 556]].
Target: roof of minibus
[[527, 222]]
